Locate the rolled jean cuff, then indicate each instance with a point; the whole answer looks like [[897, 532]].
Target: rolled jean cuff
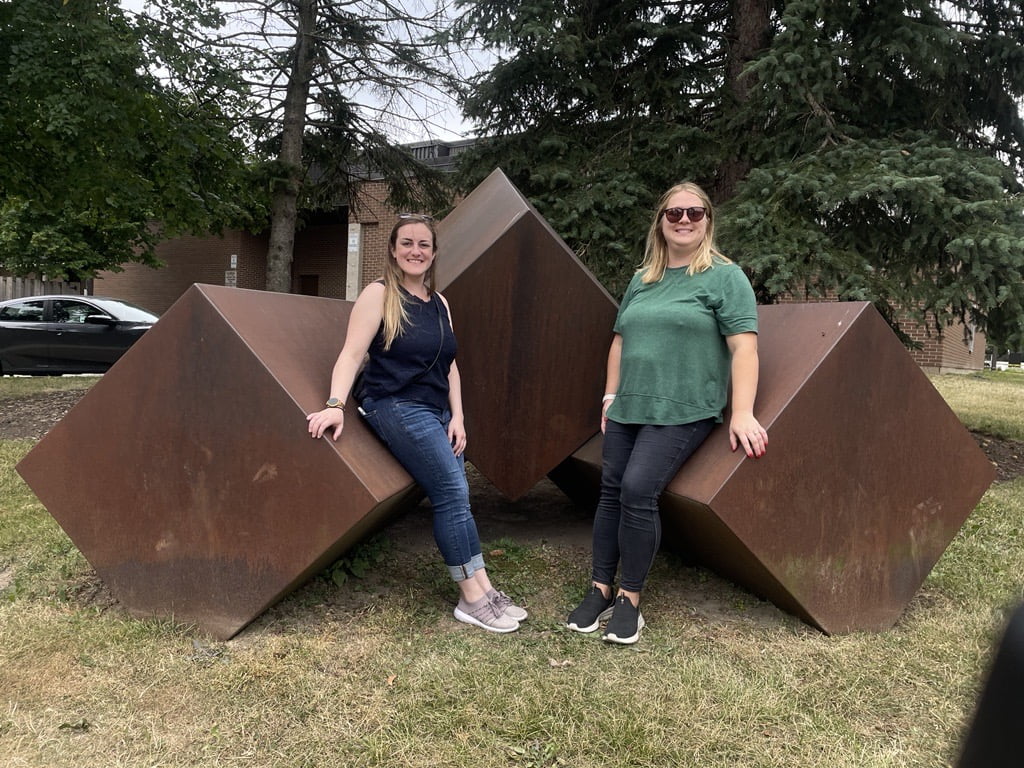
[[463, 572]]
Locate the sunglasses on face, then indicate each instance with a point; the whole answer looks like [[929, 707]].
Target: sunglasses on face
[[416, 217], [675, 215]]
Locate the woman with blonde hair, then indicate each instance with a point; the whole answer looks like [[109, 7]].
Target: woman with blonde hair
[[412, 398], [686, 326]]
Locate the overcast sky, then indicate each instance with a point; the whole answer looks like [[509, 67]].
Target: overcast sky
[[409, 117]]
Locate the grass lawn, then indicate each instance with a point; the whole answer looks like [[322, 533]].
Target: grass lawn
[[376, 673]]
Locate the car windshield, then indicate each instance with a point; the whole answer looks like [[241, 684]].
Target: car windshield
[[124, 311]]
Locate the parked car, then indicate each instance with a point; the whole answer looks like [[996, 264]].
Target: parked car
[[50, 335]]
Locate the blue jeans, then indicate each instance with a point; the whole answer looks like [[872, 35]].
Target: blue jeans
[[637, 462], [417, 435]]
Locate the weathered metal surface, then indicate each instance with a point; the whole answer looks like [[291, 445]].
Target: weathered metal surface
[[533, 327], [186, 476], [867, 479]]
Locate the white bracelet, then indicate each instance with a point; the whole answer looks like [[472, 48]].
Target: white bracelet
[[608, 397]]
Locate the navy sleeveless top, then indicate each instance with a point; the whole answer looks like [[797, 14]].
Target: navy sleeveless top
[[399, 371]]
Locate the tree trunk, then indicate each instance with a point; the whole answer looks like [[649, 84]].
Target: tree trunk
[[288, 184], [750, 34]]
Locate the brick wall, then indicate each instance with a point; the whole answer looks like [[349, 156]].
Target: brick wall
[[320, 257], [957, 348], [375, 218], [188, 260]]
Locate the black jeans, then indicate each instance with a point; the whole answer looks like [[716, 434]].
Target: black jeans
[[638, 461]]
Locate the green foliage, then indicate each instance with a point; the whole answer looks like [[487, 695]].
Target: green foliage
[[358, 561], [96, 149], [912, 225], [867, 150]]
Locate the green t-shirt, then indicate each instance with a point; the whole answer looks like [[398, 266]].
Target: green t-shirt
[[675, 361]]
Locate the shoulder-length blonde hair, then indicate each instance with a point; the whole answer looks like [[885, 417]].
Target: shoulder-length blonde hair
[[395, 316], [656, 251]]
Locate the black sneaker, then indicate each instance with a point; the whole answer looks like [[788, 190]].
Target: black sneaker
[[594, 609], [625, 624]]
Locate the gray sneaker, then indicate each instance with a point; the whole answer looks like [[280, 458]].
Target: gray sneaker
[[504, 602], [486, 615]]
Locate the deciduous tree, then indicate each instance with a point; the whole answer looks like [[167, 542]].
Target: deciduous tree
[[100, 159]]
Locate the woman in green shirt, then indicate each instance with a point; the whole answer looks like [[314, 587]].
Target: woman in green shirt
[[687, 326]]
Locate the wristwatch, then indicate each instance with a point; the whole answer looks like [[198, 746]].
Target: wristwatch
[[334, 402]]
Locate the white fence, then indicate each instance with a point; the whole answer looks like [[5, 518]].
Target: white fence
[[19, 287]]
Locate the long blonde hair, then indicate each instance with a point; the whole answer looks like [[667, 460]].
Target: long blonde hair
[[395, 316], [656, 251]]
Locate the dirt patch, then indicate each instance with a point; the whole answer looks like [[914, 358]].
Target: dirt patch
[[1006, 455], [31, 417]]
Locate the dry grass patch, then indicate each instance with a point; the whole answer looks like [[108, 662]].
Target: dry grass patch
[[13, 387], [986, 402], [377, 673]]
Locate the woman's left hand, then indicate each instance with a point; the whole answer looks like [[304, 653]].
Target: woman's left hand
[[457, 435], [327, 420], [747, 431]]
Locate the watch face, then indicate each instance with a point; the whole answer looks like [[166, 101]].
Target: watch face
[[333, 402]]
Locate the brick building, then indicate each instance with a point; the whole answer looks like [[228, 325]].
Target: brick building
[[956, 349], [336, 254]]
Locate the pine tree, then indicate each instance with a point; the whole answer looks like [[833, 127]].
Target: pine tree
[[869, 149], [329, 81], [602, 103], [891, 171]]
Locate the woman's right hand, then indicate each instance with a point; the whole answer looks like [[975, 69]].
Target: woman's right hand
[[604, 414], [321, 421]]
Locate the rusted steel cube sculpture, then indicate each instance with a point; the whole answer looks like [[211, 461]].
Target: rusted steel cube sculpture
[[533, 327], [186, 476], [868, 477]]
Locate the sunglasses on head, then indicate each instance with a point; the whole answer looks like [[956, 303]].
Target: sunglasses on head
[[675, 215], [416, 217]]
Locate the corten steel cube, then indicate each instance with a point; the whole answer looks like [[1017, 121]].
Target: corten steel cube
[[534, 328], [186, 475], [868, 475]]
